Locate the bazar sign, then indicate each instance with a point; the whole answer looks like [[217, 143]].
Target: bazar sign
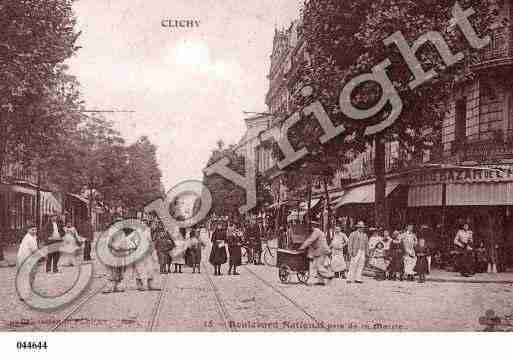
[[389, 98], [456, 175]]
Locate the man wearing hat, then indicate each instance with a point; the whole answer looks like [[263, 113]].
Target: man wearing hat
[[254, 236], [53, 232], [358, 248], [318, 252]]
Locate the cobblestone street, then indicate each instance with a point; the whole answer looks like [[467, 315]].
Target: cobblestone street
[[257, 301]]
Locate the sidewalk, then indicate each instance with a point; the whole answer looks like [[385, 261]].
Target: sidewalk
[[441, 276]]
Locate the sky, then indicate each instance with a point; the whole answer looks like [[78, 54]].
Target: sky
[[190, 86]]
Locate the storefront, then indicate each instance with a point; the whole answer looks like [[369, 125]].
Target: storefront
[[18, 207], [357, 203], [445, 198]]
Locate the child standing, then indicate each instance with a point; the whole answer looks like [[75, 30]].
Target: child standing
[[377, 260], [178, 252], [421, 267], [195, 247]]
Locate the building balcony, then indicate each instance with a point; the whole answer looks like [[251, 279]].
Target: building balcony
[[499, 53], [17, 173], [482, 147]]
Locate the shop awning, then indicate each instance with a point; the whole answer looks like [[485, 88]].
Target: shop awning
[[50, 204], [480, 194], [425, 196], [364, 194], [303, 209], [81, 199]]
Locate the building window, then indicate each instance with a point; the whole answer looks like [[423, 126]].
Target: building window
[[490, 121], [461, 120]]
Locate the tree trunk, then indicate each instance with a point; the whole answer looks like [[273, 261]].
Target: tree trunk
[[38, 200], [328, 206], [380, 210], [309, 204]]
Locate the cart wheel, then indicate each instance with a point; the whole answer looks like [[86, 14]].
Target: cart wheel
[[283, 273], [303, 276]]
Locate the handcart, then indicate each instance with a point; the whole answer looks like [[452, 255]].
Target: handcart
[[292, 261]]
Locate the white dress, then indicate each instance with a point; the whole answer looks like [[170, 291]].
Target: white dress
[[409, 242], [178, 252], [27, 247], [145, 268], [338, 262], [70, 245]]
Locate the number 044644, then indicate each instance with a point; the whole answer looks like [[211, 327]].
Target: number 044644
[[31, 345]]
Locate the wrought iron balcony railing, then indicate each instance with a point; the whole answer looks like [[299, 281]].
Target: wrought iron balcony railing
[[500, 50], [483, 146]]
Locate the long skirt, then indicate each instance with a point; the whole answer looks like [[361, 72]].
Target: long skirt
[[235, 255], [338, 262], [409, 265], [422, 265], [396, 264], [378, 263], [466, 262], [218, 255], [195, 255]]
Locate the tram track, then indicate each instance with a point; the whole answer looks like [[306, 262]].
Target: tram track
[[221, 307], [286, 297], [152, 324], [77, 307]]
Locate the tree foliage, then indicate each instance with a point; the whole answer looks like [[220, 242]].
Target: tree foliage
[[227, 197], [345, 39], [36, 37]]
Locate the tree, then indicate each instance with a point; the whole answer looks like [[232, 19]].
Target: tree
[[37, 36], [142, 181], [333, 27], [226, 196]]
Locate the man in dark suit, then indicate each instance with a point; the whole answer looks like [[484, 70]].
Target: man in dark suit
[[52, 233], [86, 231], [254, 236]]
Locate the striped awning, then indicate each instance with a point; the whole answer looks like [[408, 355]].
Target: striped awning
[[365, 194], [480, 194], [425, 195]]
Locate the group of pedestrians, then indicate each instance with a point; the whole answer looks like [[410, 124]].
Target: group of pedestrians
[[400, 255], [57, 231]]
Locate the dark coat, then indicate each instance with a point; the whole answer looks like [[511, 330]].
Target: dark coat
[[234, 248], [47, 232], [254, 236], [218, 254], [422, 253], [396, 253]]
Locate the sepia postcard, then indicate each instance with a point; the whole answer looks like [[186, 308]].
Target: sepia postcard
[[255, 166]]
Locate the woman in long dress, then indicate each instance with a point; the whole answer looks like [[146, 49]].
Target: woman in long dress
[[234, 249], [396, 255], [218, 255], [195, 246], [338, 261], [464, 241], [71, 243], [409, 241]]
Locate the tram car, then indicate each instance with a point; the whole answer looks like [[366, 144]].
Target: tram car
[[289, 259]]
